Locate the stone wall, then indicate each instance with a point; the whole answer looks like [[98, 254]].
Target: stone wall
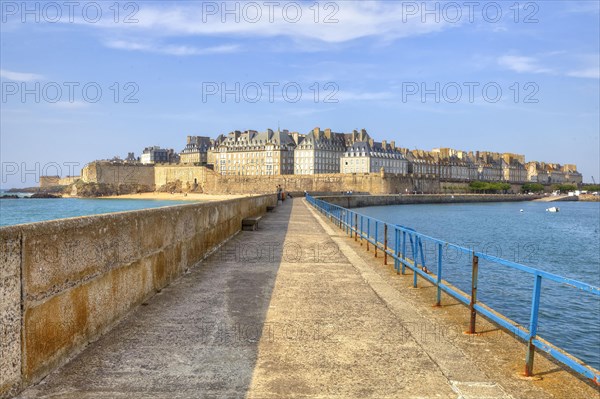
[[203, 179], [63, 283], [65, 181], [211, 182], [357, 201], [49, 181], [118, 174], [10, 312], [374, 183], [189, 176]]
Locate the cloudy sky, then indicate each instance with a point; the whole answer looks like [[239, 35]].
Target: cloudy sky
[[91, 80]]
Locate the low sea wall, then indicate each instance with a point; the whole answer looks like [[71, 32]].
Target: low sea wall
[[357, 201], [63, 283]]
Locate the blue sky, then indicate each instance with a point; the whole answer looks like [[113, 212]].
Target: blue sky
[[377, 65]]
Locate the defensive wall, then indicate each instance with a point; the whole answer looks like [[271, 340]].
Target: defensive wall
[[63, 283], [49, 181], [357, 201], [118, 174], [208, 181], [203, 179]]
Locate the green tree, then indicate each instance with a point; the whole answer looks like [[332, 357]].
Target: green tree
[[564, 188], [532, 188]]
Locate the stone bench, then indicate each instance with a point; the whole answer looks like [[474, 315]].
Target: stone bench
[[250, 224]]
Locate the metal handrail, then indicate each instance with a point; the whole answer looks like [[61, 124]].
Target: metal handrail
[[407, 240]]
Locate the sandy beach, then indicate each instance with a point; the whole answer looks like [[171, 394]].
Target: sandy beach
[[178, 196]]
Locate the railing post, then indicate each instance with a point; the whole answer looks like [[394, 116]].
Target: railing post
[[533, 323], [474, 275], [376, 238], [403, 251], [347, 222], [415, 260], [361, 229], [396, 247], [385, 242], [439, 276], [368, 232], [355, 227]]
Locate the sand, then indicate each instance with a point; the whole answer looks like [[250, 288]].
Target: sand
[[179, 197]]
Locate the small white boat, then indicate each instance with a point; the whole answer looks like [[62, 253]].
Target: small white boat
[[553, 209]]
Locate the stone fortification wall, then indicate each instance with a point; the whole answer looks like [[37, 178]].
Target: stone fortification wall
[[374, 183], [118, 174], [357, 201]]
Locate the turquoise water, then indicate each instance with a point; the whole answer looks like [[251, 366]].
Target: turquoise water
[[566, 243], [18, 211]]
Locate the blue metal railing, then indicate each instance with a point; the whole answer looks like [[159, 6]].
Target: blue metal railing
[[407, 252]]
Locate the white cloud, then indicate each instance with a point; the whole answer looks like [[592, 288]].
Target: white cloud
[[347, 22], [522, 64], [19, 76], [179, 50], [591, 73]]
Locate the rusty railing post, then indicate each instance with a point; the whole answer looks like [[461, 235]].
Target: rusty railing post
[[473, 293], [368, 232]]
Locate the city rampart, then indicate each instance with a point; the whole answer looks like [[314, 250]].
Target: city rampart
[[118, 174], [357, 201], [63, 283]]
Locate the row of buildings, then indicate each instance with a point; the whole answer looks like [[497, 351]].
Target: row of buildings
[[253, 153]]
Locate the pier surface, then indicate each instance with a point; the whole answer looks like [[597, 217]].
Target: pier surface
[[299, 310]]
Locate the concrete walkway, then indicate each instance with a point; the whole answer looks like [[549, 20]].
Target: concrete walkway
[[292, 310]]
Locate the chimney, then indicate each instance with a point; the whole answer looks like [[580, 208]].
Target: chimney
[[393, 144], [384, 145], [328, 133]]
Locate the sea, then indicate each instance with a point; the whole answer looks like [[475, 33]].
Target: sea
[[566, 243], [29, 210]]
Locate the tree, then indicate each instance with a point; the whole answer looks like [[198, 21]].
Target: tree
[[564, 188], [532, 188]]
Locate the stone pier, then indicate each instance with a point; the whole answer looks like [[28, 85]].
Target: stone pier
[[297, 309]]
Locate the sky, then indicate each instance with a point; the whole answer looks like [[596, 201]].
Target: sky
[[82, 81]]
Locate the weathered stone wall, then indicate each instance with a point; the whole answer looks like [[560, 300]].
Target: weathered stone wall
[[210, 182], [49, 181], [65, 181], [373, 183], [189, 176], [449, 187], [10, 311], [117, 174], [357, 201], [65, 282]]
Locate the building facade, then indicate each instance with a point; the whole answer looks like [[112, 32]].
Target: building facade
[[251, 153], [318, 152], [196, 150], [152, 155], [370, 157]]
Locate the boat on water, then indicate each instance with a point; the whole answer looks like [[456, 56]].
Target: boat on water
[[553, 209]]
